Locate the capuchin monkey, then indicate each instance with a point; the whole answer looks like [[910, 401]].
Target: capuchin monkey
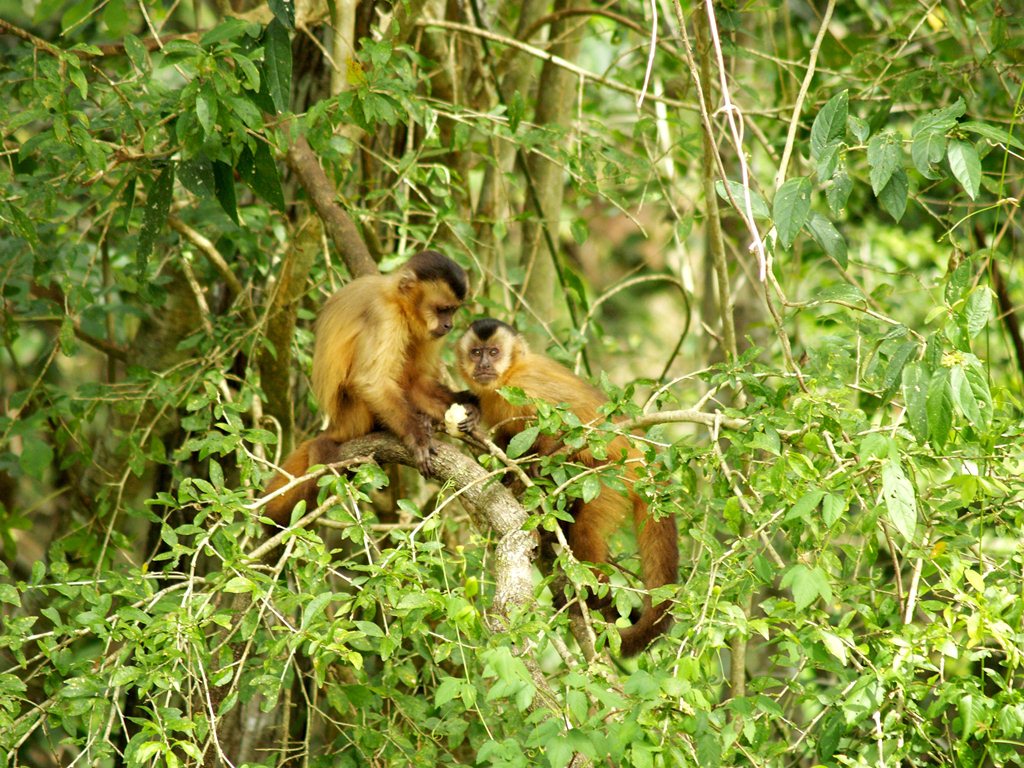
[[492, 355], [375, 365]]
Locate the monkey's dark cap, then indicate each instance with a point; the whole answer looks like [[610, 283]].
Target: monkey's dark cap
[[488, 326], [434, 266]]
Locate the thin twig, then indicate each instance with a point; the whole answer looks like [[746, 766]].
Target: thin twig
[[545, 56], [794, 121]]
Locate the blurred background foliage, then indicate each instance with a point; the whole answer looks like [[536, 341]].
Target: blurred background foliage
[[799, 219]]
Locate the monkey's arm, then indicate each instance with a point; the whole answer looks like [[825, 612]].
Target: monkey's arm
[[392, 408]]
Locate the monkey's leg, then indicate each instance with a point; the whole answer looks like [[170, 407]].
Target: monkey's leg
[[391, 406]]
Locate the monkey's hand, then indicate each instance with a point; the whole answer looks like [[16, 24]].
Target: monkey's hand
[[420, 445], [461, 419]]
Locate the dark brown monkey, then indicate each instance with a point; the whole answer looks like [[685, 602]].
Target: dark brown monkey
[[375, 365], [492, 355]]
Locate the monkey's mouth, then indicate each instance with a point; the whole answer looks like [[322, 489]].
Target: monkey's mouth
[[484, 377], [437, 333]]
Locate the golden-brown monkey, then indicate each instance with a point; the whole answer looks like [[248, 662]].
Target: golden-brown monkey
[[492, 355], [375, 365]]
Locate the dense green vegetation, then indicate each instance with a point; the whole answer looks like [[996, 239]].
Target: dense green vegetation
[[782, 237]]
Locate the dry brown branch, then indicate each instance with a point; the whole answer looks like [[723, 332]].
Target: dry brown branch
[[340, 227], [486, 500]]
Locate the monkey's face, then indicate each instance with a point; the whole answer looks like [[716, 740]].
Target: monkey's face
[[437, 308], [484, 362]]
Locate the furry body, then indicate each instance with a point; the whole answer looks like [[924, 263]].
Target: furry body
[[493, 355], [375, 365]]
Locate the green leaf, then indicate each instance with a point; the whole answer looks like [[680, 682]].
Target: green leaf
[[37, 456], [915, 397], [926, 150], [972, 712], [148, 750], [284, 12], [277, 64], [137, 53], [224, 187], [709, 749], [229, 29], [9, 594], [262, 177], [894, 197], [829, 736], [196, 175], [791, 206], [992, 133], [158, 205], [835, 645], [75, 15], [978, 310], [580, 230], [966, 166], [858, 127], [977, 378], [558, 752], [884, 159], [757, 204], [23, 224], [591, 488], [448, 690], [239, 585], [807, 585], [940, 407], [805, 505], [830, 123], [841, 292], [206, 109], [828, 237], [963, 396], [243, 108], [522, 442], [314, 608], [837, 190], [900, 502], [894, 369], [939, 120], [828, 161], [516, 110], [832, 508]]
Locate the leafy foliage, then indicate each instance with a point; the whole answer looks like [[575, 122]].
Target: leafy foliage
[[849, 516]]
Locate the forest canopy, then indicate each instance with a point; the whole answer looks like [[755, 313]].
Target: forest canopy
[[780, 237]]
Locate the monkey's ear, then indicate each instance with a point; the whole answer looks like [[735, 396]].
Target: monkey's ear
[[519, 345], [406, 280]]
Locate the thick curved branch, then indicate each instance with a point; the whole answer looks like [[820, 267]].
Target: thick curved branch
[[485, 498], [340, 227]]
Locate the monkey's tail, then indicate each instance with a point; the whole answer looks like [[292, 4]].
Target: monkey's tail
[[279, 508], [659, 560]]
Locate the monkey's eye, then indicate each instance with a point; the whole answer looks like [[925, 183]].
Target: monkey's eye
[[475, 352], [493, 351]]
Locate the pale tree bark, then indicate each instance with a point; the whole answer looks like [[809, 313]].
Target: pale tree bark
[[344, 47], [493, 204], [555, 104]]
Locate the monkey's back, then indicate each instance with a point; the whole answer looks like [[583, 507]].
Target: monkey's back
[[347, 326]]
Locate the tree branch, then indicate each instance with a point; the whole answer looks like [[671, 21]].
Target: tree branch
[[340, 228], [485, 499]]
